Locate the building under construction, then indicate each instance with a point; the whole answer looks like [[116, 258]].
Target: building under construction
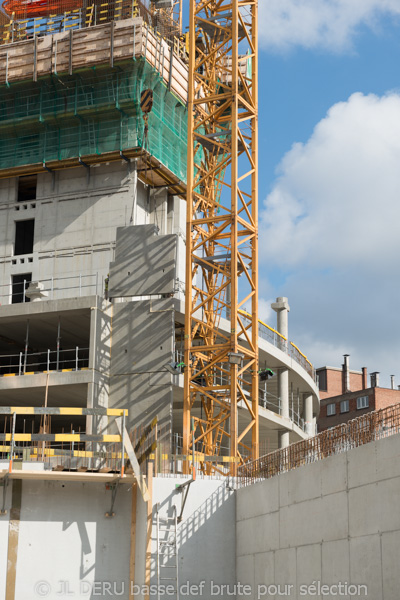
[[135, 374]]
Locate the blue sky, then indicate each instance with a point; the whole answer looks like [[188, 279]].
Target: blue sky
[[330, 176], [298, 86]]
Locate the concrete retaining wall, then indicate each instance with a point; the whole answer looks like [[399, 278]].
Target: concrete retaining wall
[[334, 521]]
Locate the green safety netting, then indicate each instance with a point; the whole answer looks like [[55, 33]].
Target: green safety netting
[[91, 112]]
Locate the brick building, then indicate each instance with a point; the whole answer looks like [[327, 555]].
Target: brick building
[[345, 394]]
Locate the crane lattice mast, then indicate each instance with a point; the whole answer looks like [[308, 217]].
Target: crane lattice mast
[[221, 362]]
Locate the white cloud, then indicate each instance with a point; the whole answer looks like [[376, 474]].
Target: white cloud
[[265, 311], [319, 23], [332, 224], [337, 198]]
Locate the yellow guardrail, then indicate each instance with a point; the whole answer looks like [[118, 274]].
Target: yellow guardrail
[[54, 411], [300, 352], [248, 315]]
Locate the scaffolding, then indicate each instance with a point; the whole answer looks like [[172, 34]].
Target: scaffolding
[[60, 118], [20, 20]]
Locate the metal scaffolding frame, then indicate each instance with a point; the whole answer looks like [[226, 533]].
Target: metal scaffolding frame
[[222, 197]]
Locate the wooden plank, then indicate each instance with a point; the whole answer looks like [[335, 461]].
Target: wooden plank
[[13, 537], [149, 528], [132, 556], [91, 46]]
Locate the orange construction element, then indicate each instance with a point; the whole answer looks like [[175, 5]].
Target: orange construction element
[[21, 9]]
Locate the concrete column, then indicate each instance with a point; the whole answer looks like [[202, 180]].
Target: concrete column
[[308, 414], [282, 308], [99, 364], [283, 439], [283, 393]]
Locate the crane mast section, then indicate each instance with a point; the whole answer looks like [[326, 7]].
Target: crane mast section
[[220, 413]]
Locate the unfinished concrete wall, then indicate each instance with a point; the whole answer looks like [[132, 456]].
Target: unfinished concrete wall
[[333, 522], [206, 536], [76, 218], [66, 547], [63, 541], [145, 262], [142, 344]]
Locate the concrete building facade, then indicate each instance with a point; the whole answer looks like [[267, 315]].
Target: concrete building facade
[[56, 312], [92, 263]]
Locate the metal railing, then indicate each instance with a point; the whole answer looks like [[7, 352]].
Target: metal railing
[[367, 428], [74, 359], [53, 288], [273, 403], [81, 285], [279, 341], [302, 360]]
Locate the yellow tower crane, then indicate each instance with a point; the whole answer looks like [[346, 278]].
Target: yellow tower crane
[[220, 412]]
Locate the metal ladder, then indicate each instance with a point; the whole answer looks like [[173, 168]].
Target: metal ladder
[[167, 553]]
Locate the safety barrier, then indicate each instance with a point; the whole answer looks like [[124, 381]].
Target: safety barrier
[[71, 451], [27, 363], [279, 341], [59, 16], [52, 288]]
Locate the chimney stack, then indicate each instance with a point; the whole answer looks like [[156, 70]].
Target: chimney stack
[[364, 378], [375, 379], [346, 374], [392, 381]]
